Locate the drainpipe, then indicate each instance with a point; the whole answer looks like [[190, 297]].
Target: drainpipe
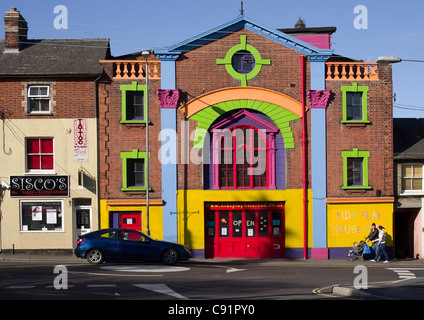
[[96, 103], [304, 162]]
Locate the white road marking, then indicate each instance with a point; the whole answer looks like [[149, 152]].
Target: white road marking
[[405, 273], [144, 268], [234, 270], [52, 287], [20, 287], [160, 288], [117, 275], [100, 285]]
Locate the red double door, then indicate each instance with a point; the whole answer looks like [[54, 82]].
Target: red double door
[[244, 233]]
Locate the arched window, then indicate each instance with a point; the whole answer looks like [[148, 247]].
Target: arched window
[[243, 161]]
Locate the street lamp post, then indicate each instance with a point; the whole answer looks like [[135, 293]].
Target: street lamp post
[[146, 55], [393, 59]]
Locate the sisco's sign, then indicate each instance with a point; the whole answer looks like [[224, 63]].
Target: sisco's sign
[[39, 186]]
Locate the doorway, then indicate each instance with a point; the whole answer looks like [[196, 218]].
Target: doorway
[[125, 219], [245, 233], [83, 215], [405, 226]]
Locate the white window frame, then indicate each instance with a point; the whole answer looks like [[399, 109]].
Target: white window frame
[[38, 97], [411, 192]]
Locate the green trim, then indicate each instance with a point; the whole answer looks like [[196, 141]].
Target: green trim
[[280, 116], [134, 154], [355, 153], [355, 88], [134, 86], [256, 55]]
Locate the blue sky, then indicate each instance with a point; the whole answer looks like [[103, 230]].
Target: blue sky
[[388, 28]]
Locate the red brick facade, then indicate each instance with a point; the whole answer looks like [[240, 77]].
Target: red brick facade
[[375, 137], [283, 75], [115, 137]]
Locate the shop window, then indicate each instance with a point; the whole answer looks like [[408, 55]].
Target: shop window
[[276, 223], [411, 179], [263, 224], [133, 103], [38, 99], [41, 215], [133, 170], [250, 223], [237, 224], [355, 169], [39, 154], [210, 224], [355, 108], [223, 224]]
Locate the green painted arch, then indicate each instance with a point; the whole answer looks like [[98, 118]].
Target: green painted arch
[[280, 116]]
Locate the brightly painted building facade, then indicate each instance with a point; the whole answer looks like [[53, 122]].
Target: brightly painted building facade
[[258, 145]]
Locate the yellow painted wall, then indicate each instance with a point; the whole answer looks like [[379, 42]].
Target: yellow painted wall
[[347, 223], [191, 213], [155, 217]]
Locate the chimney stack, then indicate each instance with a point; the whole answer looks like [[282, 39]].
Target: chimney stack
[[16, 30]]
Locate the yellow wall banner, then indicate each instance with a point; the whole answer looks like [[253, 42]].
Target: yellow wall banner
[[350, 222]]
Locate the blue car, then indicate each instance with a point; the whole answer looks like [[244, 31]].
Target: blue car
[[127, 244]]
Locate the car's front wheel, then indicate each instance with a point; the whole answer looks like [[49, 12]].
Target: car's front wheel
[[95, 256], [170, 256]]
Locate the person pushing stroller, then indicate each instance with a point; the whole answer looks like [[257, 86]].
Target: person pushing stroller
[[373, 235]]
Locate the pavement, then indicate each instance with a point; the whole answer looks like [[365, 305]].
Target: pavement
[[374, 291]]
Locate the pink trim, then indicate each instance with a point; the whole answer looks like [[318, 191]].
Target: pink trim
[[215, 163], [168, 98], [318, 98], [319, 253], [271, 161], [239, 114], [322, 41]]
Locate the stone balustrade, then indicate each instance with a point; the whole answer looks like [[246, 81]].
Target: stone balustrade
[[351, 71]]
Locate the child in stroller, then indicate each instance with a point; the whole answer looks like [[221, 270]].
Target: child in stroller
[[357, 251]]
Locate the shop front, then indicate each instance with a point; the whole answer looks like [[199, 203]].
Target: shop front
[[244, 230], [349, 221]]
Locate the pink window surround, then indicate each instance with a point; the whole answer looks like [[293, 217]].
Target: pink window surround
[[220, 128]]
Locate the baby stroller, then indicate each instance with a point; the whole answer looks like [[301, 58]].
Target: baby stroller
[[357, 251]]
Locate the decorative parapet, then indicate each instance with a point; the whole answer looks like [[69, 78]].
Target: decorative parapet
[[168, 98], [318, 98], [134, 69], [351, 71]]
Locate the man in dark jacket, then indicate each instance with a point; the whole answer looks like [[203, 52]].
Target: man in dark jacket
[[372, 236]]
